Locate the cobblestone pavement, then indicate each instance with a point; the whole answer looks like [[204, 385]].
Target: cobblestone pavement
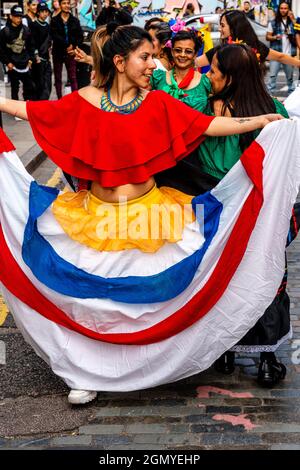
[[206, 411]]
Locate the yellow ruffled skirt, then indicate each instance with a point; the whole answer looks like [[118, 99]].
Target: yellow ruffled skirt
[[145, 223]]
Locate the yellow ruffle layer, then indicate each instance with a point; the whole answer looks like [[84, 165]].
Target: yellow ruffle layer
[[145, 223]]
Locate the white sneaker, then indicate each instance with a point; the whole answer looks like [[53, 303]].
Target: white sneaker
[[18, 119], [79, 397]]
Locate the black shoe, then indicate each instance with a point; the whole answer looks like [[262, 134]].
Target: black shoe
[[270, 371], [225, 363]]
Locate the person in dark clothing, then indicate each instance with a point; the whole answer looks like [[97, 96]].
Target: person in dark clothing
[[55, 8], [66, 34], [281, 35], [249, 12], [41, 69], [112, 12], [31, 14], [17, 53]]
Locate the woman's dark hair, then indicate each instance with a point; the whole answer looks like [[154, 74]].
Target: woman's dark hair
[[244, 93], [153, 21], [240, 27], [163, 33], [122, 41], [190, 6], [184, 35]]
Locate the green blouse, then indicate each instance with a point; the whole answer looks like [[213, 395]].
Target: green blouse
[[217, 155], [196, 98]]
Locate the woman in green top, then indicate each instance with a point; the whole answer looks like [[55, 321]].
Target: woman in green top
[[238, 89], [183, 81]]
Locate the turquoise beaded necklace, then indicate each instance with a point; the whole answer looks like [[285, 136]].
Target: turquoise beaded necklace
[[128, 108]]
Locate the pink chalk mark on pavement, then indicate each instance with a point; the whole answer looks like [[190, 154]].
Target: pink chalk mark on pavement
[[235, 420], [204, 390]]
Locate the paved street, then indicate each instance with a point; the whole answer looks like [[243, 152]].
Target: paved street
[[206, 411]]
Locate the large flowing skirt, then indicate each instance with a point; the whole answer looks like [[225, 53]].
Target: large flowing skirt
[[129, 320]]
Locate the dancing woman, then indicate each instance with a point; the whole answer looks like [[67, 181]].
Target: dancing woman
[[124, 308]]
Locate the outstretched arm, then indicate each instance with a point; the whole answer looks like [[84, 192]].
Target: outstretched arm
[[222, 126], [283, 58], [14, 107]]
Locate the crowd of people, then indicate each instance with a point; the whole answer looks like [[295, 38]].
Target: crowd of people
[[34, 44], [117, 299], [27, 39]]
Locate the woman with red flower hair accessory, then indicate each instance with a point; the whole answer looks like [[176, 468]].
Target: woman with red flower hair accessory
[[235, 25]]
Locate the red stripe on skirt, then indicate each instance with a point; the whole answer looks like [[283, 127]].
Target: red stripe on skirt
[[19, 285]]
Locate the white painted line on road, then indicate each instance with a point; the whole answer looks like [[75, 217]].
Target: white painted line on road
[[2, 353]]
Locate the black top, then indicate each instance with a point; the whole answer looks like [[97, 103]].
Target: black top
[[209, 54], [62, 39], [187, 176], [8, 35], [263, 50], [250, 14], [27, 21], [112, 14], [40, 31]]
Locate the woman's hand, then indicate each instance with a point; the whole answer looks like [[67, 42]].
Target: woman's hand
[[70, 50], [81, 56], [267, 118]]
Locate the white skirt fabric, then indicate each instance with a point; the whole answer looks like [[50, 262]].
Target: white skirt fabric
[[129, 319], [292, 103]]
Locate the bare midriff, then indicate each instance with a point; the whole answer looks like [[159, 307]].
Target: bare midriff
[[113, 195], [130, 191]]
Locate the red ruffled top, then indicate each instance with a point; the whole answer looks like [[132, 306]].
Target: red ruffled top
[[115, 149]]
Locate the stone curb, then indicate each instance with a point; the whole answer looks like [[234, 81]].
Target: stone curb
[[33, 158]]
